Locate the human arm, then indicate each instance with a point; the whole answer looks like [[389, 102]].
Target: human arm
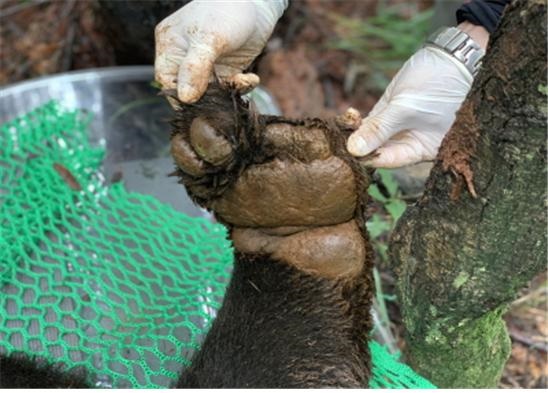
[[417, 109]]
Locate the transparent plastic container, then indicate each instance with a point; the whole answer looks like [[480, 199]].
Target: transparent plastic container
[[128, 118]]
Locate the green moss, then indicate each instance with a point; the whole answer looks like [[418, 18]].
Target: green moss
[[434, 336], [475, 353], [460, 280]]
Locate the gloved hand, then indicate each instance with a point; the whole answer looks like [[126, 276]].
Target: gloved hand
[[206, 36], [415, 112]]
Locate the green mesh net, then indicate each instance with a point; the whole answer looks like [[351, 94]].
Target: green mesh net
[[98, 277]]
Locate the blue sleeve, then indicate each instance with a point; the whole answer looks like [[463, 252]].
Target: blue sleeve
[[486, 13]]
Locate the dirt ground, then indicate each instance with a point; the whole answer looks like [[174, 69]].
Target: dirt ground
[[307, 76]]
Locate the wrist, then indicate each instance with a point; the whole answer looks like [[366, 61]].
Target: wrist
[[459, 45], [478, 33]]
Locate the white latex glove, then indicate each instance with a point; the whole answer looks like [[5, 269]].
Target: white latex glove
[[206, 36], [415, 112]]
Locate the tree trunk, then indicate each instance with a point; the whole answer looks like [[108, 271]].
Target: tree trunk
[[478, 234]]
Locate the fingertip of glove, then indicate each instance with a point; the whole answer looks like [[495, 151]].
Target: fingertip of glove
[[243, 83], [356, 145], [188, 94]]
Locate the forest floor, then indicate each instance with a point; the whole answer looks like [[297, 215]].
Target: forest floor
[[313, 66]]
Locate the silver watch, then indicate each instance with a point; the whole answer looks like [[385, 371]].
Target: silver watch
[[459, 45]]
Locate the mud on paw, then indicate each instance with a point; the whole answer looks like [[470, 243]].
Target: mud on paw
[[279, 184]]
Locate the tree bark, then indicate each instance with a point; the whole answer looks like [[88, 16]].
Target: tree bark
[[478, 234]]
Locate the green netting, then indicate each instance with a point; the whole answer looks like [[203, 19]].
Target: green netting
[[99, 277]]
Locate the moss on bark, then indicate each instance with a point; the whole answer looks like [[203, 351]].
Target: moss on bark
[[461, 259], [483, 338]]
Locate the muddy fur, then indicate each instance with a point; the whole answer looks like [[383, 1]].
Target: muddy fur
[[278, 327], [243, 127], [21, 371], [232, 117], [281, 328]]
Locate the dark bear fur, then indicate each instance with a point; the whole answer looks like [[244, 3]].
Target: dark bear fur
[[281, 328], [21, 371]]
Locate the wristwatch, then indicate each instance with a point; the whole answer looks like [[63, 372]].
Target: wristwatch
[[458, 44]]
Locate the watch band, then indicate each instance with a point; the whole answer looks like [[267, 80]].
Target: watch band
[[459, 45]]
